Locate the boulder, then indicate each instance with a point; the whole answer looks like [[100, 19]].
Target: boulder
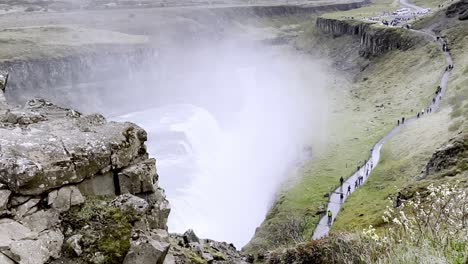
[[37, 251], [11, 231], [159, 212], [146, 250], [138, 178], [64, 198], [127, 201], [4, 197], [41, 220], [207, 257], [190, 237]]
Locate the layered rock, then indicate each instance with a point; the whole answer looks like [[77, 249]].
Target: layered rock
[[450, 159], [373, 40], [58, 167]]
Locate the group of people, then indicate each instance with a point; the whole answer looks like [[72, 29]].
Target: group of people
[[361, 173], [369, 165]]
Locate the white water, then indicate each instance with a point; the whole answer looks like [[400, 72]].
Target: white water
[[221, 171]]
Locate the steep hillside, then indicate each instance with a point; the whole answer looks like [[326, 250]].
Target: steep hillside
[[398, 77]]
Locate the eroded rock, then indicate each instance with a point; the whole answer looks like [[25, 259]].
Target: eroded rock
[[129, 201]]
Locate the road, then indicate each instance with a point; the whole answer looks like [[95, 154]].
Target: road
[[335, 202]]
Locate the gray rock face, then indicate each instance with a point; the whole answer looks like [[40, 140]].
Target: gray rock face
[[99, 185], [129, 201], [12, 231], [60, 147], [41, 220], [146, 250], [64, 198], [138, 178]]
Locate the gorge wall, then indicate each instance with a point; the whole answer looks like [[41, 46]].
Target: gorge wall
[[373, 40]]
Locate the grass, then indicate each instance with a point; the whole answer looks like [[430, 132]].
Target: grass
[[377, 7], [403, 158], [105, 229], [366, 106], [56, 41], [406, 154]]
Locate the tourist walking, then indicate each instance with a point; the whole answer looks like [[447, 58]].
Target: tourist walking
[[349, 190], [402, 120], [341, 197], [330, 215], [341, 181]]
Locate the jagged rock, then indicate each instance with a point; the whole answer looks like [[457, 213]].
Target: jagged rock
[[450, 159], [159, 211], [127, 201], [138, 178], [5, 260], [99, 185], [65, 197], [64, 148], [4, 196], [36, 251], [41, 220], [26, 208], [74, 243], [196, 247], [11, 231], [190, 237], [146, 250]]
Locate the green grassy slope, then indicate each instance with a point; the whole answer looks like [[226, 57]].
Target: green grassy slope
[[366, 107]]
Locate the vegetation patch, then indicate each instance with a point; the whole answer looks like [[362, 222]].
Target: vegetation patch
[[105, 229]]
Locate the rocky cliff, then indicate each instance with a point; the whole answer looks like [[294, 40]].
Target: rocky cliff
[[450, 159], [373, 40], [76, 188], [62, 75]]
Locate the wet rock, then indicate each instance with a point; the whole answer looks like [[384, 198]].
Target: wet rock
[[74, 243], [146, 250], [190, 237], [129, 201], [138, 178]]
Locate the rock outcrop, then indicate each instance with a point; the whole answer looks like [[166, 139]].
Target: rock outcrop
[[373, 40], [188, 248], [458, 9], [76, 189], [451, 159]]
